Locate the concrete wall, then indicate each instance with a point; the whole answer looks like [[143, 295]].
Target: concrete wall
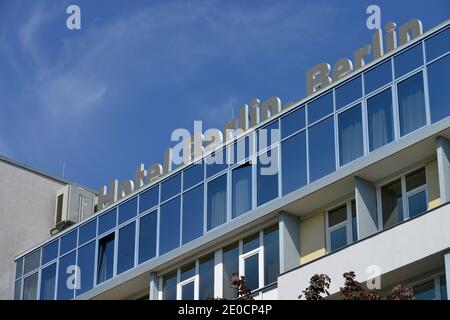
[[27, 205], [432, 174], [312, 238]]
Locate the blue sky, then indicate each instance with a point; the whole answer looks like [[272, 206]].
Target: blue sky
[[107, 97]]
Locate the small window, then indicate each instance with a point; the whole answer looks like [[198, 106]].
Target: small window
[[230, 266], [425, 291], [271, 255], [170, 187], [350, 135], [217, 202], [87, 232], [378, 76], [342, 228], [32, 261], [50, 251], [105, 260], [19, 267], [293, 163], [59, 208], [170, 286], [68, 242], [147, 236], [438, 88], [107, 221], [125, 249], [380, 123], [392, 203], [241, 182], [267, 176], [408, 60], [30, 287], [251, 271], [192, 225], [86, 260], [65, 264], [411, 104], [128, 210], [321, 149], [268, 135], [348, 92], [320, 108], [148, 199], [241, 150], [193, 176], [216, 163], [293, 122], [206, 277], [438, 44], [48, 283], [169, 237], [251, 243]]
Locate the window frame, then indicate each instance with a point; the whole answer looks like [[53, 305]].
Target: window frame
[[405, 195], [347, 223]]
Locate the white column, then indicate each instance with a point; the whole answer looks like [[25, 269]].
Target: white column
[[366, 208], [289, 234], [153, 291], [218, 274], [447, 272], [443, 160]]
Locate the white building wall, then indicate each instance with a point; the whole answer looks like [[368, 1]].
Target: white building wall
[[27, 206]]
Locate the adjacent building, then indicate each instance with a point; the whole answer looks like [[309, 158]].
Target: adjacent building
[[362, 183]]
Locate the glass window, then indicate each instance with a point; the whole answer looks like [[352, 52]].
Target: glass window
[[193, 175], [415, 179], [408, 60], [125, 250], [217, 202], [443, 286], [32, 261], [241, 189], [337, 216], [187, 271], [293, 122], [417, 203], [206, 277], [271, 255], [350, 135], [169, 237], [147, 236], [267, 176], [18, 290], [230, 266], [30, 287], [379, 113], [268, 135], [321, 149], [320, 108], [170, 286], [411, 104], [170, 187], [438, 88], [348, 92], [338, 238], [216, 163], [188, 291], [293, 162], [105, 263], [19, 267], [391, 198], [87, 232], [241, 150], [425, 291], [128, 210], [107, 221], [251, 243], [378, 76], [438, 44], [86, 259], [50, 251], [148, 199], [193, 214], [251, 271], [354, 222], [65, 270], [68, 242], [48, 283]]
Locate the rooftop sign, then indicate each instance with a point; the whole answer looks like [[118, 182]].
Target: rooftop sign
[[194, 147]]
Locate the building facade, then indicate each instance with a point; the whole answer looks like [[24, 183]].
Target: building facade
[[27, 210], [362, 183]]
